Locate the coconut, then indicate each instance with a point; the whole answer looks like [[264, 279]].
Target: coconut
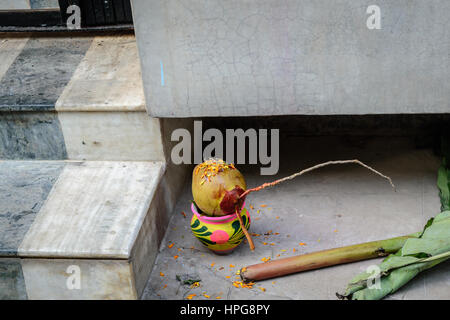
[[216, 187]]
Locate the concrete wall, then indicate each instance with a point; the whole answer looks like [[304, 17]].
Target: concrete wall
[[272, 57]]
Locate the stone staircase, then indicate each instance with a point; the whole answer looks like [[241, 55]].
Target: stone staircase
[[85, 194]]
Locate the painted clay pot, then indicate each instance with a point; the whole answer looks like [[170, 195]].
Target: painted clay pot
[[219, 234]]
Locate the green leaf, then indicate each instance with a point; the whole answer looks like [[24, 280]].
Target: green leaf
[[417, 254], [444, 188]]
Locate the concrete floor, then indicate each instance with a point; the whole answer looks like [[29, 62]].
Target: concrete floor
[[331, 207]]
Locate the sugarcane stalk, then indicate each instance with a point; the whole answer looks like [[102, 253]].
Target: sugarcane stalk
[[324, 258]]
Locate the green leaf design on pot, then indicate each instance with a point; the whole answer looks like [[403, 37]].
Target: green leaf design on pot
[[206, 242], [205, 234], [201, 233], [195, 224], [202, 229], [238, 234]]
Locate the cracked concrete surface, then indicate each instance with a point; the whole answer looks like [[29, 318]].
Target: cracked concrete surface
[[331, 207], [272, 57]]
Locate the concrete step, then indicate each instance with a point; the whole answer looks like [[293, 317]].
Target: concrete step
[[77, 98], [28, 4], [84, 189], [99, 220]]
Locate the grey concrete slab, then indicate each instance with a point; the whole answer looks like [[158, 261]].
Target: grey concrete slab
[[107, 218], [44, 4], [95, 210], [269, 57], [24, 187], [331, 207], [12, 283], [31, 135], [49, 279], [14, 4], [40, 72]]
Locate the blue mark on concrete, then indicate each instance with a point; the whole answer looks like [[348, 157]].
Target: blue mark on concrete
[[162, 74]]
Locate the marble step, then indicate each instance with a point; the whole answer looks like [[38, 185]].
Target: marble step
[[28, 4], [76, 98], [80, 229]]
